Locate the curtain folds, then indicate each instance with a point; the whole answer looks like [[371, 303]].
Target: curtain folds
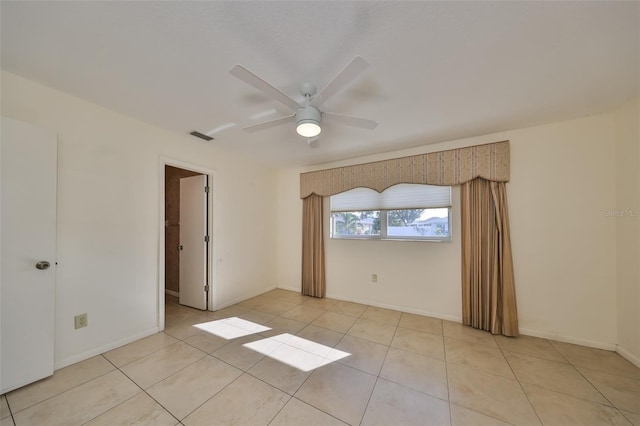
[[488, 289], [313, 278]]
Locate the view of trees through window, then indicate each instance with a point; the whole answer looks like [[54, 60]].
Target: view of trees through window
[[403, 223]]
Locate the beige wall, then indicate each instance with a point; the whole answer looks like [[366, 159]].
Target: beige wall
[[109, 213], [627, 219], [563, 179]]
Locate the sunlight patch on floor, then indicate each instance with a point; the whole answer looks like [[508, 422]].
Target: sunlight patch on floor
[[297, 352], [231, 328]]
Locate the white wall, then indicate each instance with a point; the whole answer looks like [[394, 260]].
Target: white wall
[[564, 245], [562, 181], [627, 220], [108, 217], [417, 277], [289, 226], [570, 284]]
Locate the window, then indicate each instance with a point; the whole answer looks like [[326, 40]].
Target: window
[[404, 211]]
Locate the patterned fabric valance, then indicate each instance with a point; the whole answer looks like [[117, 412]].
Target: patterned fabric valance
[[452, 167]]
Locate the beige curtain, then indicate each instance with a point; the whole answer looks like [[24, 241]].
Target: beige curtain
[[451, 167], [488, 290], [313, 279]]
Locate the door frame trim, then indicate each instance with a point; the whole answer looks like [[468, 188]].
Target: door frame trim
[[213, 230]]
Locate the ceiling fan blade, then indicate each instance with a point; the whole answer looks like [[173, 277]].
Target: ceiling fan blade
[[270, 123], [253, 80], [341, 81], [349, 121]]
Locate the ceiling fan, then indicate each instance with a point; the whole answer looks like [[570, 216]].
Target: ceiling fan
[[308, 115]]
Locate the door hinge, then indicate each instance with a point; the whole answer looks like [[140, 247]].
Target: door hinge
[[206, 287], [206, 189], [206, 238]]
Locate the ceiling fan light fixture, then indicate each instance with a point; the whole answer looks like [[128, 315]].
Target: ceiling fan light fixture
[[308, 122], [307, 115], [308, 128]]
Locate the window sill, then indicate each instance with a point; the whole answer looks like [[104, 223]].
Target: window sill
[[416, 240]]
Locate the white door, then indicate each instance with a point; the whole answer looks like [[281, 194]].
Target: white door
[[28, 233], [193, 246]]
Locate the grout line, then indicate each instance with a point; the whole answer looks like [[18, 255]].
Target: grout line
[[575, 368], [322, 411], [377, 375], [147, 393], [292, 396], [144, 356], [166, 409], [213, 396], [611, 404], [446, 375], [301, 303], [143, 390], [10, 411], [519, 383], [283, 405], [366, 407], [64, 391]]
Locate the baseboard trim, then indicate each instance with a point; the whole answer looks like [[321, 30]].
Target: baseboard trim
[[243, 298], [102, 349], [568, 339], [453, 318], [526, 331], [628, 356], [172, 293]]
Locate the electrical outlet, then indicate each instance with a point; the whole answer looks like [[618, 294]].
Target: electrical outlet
[[80, 321], [374, 278]]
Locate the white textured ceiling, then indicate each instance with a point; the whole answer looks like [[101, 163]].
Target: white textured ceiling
[[439, 70]]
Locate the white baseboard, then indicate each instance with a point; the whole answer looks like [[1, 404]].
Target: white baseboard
[[628, 356], [172, 293], [527, 332], [454, 318], [568, 339], [243, 298], [102, 349]]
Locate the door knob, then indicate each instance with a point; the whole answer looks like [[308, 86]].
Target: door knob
[[179, 247], [43, 264]]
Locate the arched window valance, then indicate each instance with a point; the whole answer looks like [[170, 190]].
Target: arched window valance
[[452, 167]]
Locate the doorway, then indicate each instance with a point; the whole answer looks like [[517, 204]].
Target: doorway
[[197, 289], [172, 177]]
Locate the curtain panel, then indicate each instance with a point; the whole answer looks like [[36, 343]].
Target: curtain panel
[[452, 167], [488, 287], [313, 279]]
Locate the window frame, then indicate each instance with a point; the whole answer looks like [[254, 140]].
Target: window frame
[[395, 198], [384, 228]]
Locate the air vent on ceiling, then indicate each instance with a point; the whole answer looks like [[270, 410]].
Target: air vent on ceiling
[[201, 135]]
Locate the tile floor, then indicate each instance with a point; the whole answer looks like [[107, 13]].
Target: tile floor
[[403, 369]]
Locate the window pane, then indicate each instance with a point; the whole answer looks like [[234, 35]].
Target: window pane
[[418, 223], [355, 223]]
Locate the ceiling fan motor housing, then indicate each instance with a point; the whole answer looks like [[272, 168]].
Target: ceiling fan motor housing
[[308, 114], [308, 121]]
